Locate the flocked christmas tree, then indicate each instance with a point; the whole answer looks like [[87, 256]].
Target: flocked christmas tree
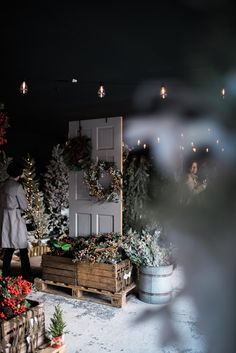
[[56, 193], [35, 212]]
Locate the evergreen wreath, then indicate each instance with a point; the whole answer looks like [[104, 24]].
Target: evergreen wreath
[[77, 152], [94, 173]]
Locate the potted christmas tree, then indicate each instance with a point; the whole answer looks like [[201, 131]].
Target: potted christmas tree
[[57, 327]]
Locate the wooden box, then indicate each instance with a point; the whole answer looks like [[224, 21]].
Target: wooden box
[[38, 250], [59, 269], [24, 333], [111, 277]]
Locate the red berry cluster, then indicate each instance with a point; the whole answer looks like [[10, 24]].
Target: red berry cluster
[[13, 292]]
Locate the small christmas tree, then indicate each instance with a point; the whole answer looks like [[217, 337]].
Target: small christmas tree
[[57, 325], [35, 211], [56, 193]]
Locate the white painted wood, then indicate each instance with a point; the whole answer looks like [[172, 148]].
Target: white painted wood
[[87, 216]]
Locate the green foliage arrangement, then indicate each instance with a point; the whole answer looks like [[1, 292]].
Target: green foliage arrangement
[[57, 324], [146, 248], [77, 152], [102, 248], [135, 191]]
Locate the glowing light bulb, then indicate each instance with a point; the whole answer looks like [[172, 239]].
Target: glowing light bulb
[[194, 149], [207, 149], [163, 92], [101, 91], [223, 93], [138, 142], [23, 88], [145, 146]]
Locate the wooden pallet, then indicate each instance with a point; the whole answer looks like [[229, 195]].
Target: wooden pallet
[[118, 299], [46, 348]]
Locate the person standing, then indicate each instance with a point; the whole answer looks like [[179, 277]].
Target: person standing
[[13, 232], [192, 186]]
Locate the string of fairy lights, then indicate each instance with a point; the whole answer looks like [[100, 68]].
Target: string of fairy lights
[[101, 92], [192, 145]]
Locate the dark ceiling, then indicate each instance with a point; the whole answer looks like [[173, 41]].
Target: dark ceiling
[[123, 44]]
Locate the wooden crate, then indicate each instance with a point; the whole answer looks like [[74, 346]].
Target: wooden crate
[[24, 333], [110, 277], [59, 269], [83, 293], [38, 250]]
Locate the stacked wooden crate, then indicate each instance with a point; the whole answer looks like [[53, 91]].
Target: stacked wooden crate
[[24, 333]]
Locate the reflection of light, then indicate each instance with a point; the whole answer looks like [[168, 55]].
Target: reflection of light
[[158, 140], [138, 142], [23, 88], [194, 149], [181, 148], [207, 150], [222, 149], [101, 91], [182, 135], [223, 93], [145, 146], [217, 141], [209, 130], [163, 92], [192, 144]]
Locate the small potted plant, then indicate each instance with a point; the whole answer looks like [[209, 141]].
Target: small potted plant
[[152, 254], [57, 328]]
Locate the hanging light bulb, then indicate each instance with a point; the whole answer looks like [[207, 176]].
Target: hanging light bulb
[[163, 91], [101, 91], [23, 88], [223, 93]]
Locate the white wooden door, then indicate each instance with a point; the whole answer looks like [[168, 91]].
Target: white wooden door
[[87, 216]]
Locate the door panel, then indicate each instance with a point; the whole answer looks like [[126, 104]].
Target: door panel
[[87, 216]]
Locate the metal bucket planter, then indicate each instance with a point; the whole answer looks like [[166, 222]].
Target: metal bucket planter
[[155, 284]]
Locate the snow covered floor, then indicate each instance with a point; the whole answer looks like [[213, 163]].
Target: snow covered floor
[[136, 328]]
